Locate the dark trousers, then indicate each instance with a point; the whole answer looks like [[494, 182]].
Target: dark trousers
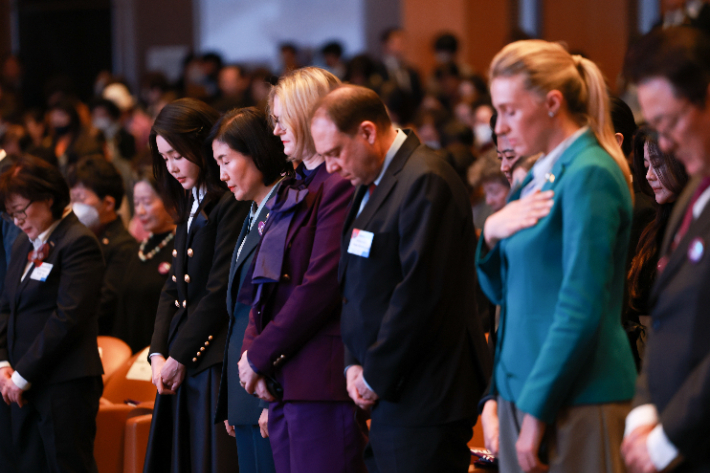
[[183, 437], [254, 451], [316, 437], [54, 432], [440, 448]]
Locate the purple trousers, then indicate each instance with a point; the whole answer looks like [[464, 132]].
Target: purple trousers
[[316, 437]]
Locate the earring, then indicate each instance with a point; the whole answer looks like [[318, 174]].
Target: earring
[[551, 113]]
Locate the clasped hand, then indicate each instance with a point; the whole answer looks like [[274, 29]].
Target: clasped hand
[[516, 216], [168, 374], [634, 449], [253, 382], [358, 391], [10, 391]]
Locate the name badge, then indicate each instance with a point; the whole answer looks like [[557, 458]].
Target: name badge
[[41, 272], [360, 243]]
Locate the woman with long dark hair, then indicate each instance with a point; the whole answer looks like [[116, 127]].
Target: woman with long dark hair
[[191, 323], [663, 177]]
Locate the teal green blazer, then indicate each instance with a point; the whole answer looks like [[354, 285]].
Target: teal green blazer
[[560, 286]]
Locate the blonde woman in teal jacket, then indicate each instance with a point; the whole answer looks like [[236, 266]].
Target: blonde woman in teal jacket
[[553, 259]]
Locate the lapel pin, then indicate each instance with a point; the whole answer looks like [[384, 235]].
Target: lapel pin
[[550, 177], [164, 268], [696, 249]]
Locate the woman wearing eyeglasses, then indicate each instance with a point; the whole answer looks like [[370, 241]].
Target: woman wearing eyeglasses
[[50, 370]]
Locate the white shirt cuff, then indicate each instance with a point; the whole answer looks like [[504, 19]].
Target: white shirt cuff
[[4, 364], [20, 382], [660, 448], [645, 414]]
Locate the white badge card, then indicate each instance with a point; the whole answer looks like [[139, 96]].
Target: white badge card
[[41, 272], [360, 243]]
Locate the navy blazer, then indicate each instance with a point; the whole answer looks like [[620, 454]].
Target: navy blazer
[[409, 309], [249, 407], [48, 329], [675, 375], [191, 323]]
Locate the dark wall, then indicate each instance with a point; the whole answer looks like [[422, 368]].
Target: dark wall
[[67, 41]]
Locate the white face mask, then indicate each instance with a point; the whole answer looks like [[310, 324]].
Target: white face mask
[[483, 134], [86, 214]]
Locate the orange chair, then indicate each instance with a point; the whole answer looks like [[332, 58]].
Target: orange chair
[[127, 393], [114, 352], [136, 442]]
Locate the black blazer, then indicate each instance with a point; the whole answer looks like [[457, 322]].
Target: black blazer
[[409, 309], [118, 248], [48, 329], [675, 375], [191, 323], [249, 407]]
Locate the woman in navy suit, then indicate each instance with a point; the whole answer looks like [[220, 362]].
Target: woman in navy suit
[[50, 371], [252, 163], [191, 322], [293, 339]]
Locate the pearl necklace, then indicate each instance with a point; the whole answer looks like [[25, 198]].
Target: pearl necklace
[[145, 257]]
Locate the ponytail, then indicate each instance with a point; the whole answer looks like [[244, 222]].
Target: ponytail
[[547, 66], [599, 116]]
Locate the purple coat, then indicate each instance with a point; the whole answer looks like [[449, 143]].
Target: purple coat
[[294, 325]]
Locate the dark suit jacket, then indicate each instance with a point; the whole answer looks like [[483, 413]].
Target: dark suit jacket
[[191, 323], [236, 404], [48, 329], [409, 310], [294, 327], [118, 248], [675, 376]]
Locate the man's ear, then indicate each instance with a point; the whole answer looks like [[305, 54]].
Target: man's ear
[[619, 138], [368, 130], [109, 204]]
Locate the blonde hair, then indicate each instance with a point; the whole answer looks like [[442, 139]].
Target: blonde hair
[[298, 91], [547, 66]]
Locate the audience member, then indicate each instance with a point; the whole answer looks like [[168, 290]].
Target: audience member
[[233, 89], [50, 370], [662, 177], [190, 332], [406, 272], [70, 139], [564, 370], [332, 54], [670, 424], [148, 267], [292, 342], [394, 68], [251, 162], [95, 182]]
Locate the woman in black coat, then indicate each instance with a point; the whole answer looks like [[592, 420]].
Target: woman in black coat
[[50, 370], [191, 323]]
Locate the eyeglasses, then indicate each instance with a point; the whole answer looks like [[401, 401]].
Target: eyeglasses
[[666, 123], [19, 214]]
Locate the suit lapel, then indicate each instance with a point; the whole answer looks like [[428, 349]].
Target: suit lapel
[[701, 225], [199, 220], [378, 197]]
